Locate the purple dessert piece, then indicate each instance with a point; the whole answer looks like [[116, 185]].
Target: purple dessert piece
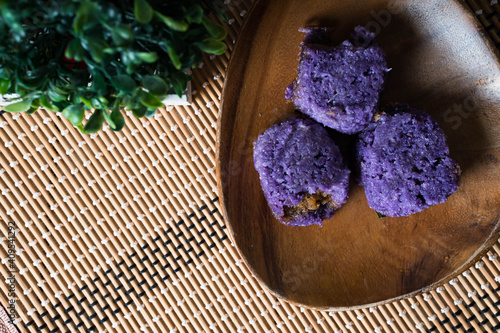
[[301, 171], [339, 86], [404, 161]]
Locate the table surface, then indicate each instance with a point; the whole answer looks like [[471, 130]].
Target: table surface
[[122, 232]]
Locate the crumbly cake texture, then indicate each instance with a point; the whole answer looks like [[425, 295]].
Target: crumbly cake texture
[[339, 86], [302, 172], [404, 162]]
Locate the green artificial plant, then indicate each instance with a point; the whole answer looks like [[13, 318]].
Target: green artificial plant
[[101, 56]]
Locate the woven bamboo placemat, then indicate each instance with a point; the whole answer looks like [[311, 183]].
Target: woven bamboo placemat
[[122, 232]]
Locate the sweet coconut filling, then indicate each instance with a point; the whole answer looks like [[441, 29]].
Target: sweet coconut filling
[[310, 202]]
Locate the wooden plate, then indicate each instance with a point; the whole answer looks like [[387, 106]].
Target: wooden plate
[[442, 63]]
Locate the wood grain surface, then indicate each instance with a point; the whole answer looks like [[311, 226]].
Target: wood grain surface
[[442, 63]]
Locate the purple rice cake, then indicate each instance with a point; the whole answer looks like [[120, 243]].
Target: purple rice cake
[[404, 162], [339, 86], [301, 171]]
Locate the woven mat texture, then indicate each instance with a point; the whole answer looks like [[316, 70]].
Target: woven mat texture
[[122, 232]]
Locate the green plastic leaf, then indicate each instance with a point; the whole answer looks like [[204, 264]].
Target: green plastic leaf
[[216, 31], [74, 113], [143, 11], [47, 104], [96, 48], [118, 120], [380, 215], [194, 33], [31, 83], [35, 103], [149, 57], [11, 19], [96, 52], [86, 102], [131, 68], [5, 74], [179, 82], [132, 102], [190, 63], [74, 50], [223, 17], [58, 89], [79, 22], [173, 56], [108, 119], [128, 57], [195, 14], [179, 87], [32, 96], [122, 34], [150, 101], [56, 97], [98, 83], [124, 82], [124, 100], [99, 102], [94, 124], [62, 105], [4, 86], [140, 111], [155, 85], [21, 106], [31, 110], [87, 13], [111, 50], [213, 47], [95, 103], [103, 100], [172, 23], [221, 34]]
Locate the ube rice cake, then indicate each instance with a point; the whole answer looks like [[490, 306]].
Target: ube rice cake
[[339, 86], [302, 172], [404, 161]]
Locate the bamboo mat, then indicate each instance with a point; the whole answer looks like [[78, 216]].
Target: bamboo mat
[[122, 232]]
